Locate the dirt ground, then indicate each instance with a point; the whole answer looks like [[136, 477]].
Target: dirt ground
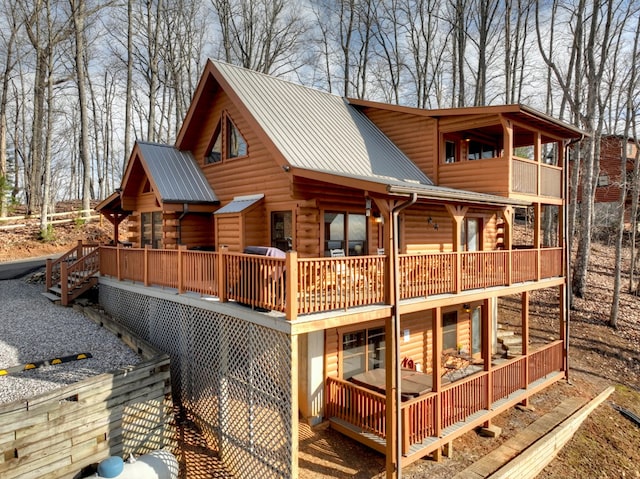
[[606, 446]]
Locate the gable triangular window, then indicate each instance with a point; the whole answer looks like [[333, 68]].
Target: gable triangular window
[[227, 142], [215, 154], [237, 146]]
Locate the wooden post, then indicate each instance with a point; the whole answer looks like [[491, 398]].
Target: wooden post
[[487, 345], [49, 274], [118, 261], [537, 154], [146, 264], [457, 213], [181, 249], [406, 431], [291, 286], [223, 292], [507, 146], [436, 366], [537, 237], [525, 341], [64, 284], [390, 400], [563, 291], [507, 217], [294, 411]]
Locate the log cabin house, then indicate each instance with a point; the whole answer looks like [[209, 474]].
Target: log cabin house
[[391, 235], [613, 150]]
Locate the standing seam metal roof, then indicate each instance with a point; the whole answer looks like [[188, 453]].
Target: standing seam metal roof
[[316, 130], [176, 174]]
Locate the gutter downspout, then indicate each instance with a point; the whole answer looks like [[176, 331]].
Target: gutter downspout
[[396, 327], [567, 252], [185, 210]]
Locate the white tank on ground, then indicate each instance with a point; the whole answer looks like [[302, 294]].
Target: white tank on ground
[[159, 464]]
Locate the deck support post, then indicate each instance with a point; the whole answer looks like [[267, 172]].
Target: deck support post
[[436, 360], [537, 237], [447, 449], [487, 344], [525, 342]]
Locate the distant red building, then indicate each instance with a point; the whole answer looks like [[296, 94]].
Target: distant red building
[[613, 149]]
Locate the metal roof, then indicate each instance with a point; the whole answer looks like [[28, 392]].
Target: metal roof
[[239, 203], [176, 174], [315, 130]]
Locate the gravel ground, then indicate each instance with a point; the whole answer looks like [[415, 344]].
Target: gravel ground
[[32, 328]]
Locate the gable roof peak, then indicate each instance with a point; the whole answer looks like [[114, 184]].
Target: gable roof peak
[[315, 130]]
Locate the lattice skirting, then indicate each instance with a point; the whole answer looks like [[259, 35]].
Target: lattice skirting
[[234, 377]]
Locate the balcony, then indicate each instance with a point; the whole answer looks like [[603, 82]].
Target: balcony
[[302, 286], [491, 175]]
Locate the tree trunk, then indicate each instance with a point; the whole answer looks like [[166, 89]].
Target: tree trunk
[[78, 15]]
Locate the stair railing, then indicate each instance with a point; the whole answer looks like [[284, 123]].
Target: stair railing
[[76, 277], [53, 272]]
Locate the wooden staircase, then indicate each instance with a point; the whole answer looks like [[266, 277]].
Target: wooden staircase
[[510, 342], [72, 274]]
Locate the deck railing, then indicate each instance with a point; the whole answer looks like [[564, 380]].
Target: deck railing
[[257, 281], [546, 360], [324, 284], [356, 405], [463, 398], [365, 409], [535, 178], [339, 283], [418, 420], [507, 378]]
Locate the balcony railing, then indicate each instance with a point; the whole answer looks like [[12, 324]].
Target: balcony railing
[[298, 286], [365, 409], [490, 175]]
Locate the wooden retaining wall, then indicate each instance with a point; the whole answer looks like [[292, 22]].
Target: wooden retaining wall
[[59, 433]]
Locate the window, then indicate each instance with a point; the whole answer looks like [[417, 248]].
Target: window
[[236, 145], [450, 151], [450, 330], [233, 146], [362, 351], [215, 155], [631, 150], [603, 180], [346, 231], [471, 234], [281, 230], [478, 151], [151, 229]]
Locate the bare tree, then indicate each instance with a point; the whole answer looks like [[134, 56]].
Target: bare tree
[[632, 82], [9, 47], [485, 23], [262, 35], [78, 15], [427, 46]]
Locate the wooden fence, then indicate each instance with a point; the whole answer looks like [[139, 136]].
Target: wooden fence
[[59, 433], [13, 222]]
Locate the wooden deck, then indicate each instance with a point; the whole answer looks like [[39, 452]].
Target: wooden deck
[[301, 286], [464, 404]]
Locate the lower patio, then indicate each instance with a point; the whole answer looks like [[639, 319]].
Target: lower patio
[[433, 418]]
